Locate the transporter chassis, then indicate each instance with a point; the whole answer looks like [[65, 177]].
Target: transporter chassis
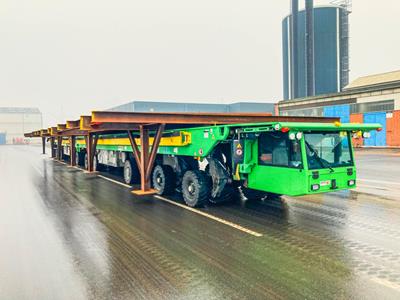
[[220, 163], [213, 157], [200, 179]]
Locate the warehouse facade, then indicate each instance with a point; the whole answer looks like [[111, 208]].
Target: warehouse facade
[[15, 121], [369, 99]]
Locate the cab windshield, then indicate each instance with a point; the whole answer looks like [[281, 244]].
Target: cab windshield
[[328, 150]]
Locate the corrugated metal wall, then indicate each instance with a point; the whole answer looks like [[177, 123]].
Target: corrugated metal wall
[[377, 138], [342, 111], [393, 129], [390, 134]]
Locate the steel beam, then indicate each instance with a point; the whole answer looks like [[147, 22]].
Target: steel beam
[[94, 146], [99, 117], [135, 148], [84, 122], [61, 127], [53, 131], [59, 148], [72, 140], [89, 143], [43, 145], [109, 120], [144, 158], [154, 149], [73, 132], [73, 124], [53, 150]]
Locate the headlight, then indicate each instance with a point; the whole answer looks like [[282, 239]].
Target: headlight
[[277, 127], [366, 135], [351, 182], [292, 136], [299, 135]]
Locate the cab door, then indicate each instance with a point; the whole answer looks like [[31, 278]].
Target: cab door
[[278, 165]]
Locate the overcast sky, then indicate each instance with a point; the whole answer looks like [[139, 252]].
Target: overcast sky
[[69, 57]]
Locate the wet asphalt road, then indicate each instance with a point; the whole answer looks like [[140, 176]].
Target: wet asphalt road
[[65, 234]]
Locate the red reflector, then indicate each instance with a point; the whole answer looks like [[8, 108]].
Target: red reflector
[[379, 129], [285, 129]]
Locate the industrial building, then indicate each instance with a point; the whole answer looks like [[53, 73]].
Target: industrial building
[[158, 106], [369, 99], [315, 45], [15, 121]]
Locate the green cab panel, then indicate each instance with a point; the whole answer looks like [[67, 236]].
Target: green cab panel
[[278, 180], [329, 181], [295, 182]]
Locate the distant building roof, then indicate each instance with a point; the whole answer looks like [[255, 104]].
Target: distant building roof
[[19, 110], [162, 106], [383, 79]]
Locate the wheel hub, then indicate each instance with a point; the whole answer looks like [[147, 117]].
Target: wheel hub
[[127, 173], [191, 188]]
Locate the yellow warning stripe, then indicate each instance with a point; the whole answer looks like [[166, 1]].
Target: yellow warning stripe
[[183, 139]]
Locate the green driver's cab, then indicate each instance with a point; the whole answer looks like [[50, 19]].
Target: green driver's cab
[[302, 158]]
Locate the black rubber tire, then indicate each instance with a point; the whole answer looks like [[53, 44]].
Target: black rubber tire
[[95, 164], [164, 180], [227, 195], [251, 194], [81, 158], [196, 188], [134, 172], [78, 159], [127, 172], [85, 161]]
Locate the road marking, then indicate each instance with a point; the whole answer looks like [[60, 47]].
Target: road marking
[[199, 212], [38, 170], [379, 181], [115, 181], [222, 221], [386, 283]]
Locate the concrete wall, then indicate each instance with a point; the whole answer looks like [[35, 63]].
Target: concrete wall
[[375, 97]]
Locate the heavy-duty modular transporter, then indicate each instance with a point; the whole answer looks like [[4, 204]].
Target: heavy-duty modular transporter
[[217, 162]]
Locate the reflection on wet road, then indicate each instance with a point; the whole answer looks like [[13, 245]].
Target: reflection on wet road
[[65, 234]]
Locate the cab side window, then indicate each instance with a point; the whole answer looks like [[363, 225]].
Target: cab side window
[[275, 149]]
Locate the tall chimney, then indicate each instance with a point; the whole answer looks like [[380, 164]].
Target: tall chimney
[[293, 49], [310, 77]]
